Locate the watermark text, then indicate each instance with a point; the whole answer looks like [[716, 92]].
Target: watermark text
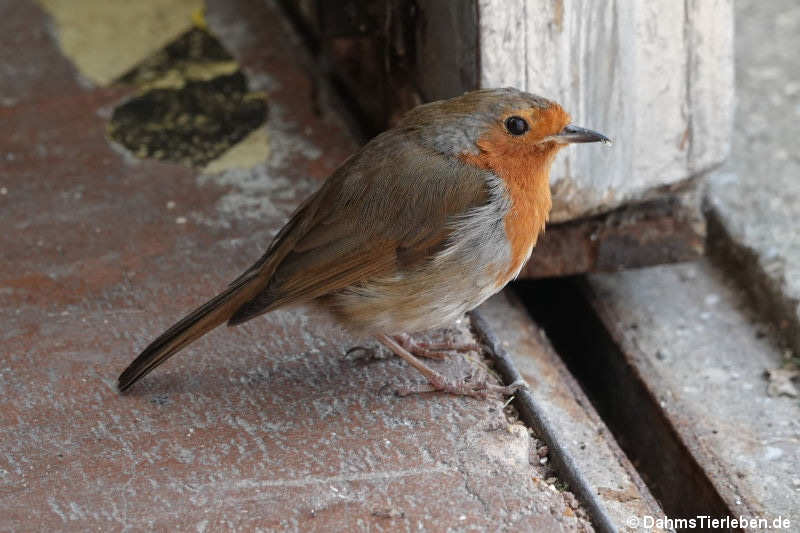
[[708, 522]]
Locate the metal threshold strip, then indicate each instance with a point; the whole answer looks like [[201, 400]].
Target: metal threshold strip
[[582, 450], [535, 417]]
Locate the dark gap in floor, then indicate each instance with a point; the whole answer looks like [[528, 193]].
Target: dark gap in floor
[[633, 415]]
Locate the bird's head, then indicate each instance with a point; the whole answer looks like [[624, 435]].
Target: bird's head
[[497, 128]]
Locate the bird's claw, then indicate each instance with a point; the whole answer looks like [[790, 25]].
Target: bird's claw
[[476, 389]]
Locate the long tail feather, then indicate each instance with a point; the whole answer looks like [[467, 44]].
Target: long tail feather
[[193, 326]]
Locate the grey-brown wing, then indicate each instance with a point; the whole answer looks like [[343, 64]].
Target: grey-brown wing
[[388, 207]]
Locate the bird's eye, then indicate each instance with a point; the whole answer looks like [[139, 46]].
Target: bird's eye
[[516, 125]]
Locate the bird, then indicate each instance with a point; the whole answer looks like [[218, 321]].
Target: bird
[[422, 224]]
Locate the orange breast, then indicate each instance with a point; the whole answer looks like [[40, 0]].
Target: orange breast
[[527, 183], [524, 223], [524, 167]]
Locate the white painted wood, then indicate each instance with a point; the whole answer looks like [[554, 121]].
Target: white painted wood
[[656, 76], [712, 76]]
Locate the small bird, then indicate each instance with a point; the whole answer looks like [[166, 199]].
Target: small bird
[[422, 224]]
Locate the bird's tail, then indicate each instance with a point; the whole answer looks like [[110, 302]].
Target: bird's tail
[[193, 326]]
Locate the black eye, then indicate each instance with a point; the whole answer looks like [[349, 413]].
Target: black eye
[[516, 125]]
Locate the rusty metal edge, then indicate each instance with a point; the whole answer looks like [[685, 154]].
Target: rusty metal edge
[[534, 417], [666, 228]]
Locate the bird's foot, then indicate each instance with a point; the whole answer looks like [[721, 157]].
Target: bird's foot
[[433, 350], [475, 389]]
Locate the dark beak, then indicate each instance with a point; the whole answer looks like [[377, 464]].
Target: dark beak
[[574, 134]]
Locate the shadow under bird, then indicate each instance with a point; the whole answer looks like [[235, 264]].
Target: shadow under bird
[[422, 224]]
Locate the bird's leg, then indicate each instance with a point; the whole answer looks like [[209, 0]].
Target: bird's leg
[[433, 350], [437, 382]]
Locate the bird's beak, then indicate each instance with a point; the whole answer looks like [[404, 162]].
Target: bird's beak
[[575, 134]]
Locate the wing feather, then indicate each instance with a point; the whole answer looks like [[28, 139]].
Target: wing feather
[[388, 208]]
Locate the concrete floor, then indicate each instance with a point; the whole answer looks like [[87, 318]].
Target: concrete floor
[[270, 425], [266, 426]]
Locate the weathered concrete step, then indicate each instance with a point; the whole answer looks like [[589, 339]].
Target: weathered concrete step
[[754, 200], [676, 364]]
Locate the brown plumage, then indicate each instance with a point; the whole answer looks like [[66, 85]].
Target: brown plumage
[[423, 223]]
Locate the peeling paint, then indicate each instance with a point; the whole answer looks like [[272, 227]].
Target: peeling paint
[[253, 150], [106, 39]]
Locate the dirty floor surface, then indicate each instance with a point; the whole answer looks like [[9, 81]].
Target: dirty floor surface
[[268, 425]]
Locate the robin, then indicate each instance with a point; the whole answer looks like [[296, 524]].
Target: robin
[[422, 224]]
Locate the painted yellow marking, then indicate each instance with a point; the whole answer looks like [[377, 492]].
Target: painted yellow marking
[[249, 152], [107, 38]]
